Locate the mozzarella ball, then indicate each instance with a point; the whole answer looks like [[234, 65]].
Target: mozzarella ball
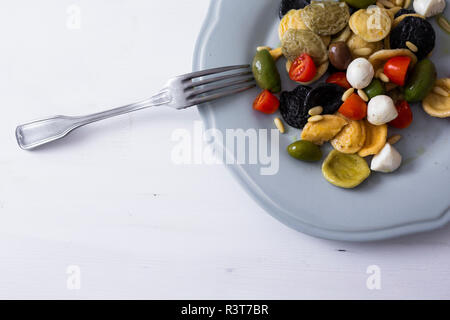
[[429, 8], [381, 110], [387, 161], [360, 73]]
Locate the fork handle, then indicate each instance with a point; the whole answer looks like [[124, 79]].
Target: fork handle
[[40, 132], [157, 100]]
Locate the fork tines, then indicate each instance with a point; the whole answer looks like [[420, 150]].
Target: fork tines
[[208, 85]]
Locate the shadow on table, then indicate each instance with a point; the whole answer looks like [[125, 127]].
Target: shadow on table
[[439, 237], [105, 128]]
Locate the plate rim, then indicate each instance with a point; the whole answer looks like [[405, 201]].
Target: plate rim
[[211, 20]]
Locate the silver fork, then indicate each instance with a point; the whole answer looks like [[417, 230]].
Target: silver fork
[[179, 93]]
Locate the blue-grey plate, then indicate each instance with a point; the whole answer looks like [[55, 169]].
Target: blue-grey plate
[[414, 199]]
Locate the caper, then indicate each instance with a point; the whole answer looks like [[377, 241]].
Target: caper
[[305, 151], [375, 88]]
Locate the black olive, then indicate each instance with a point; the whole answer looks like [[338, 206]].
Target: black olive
[[288, 5], [403, 11], [417, 31], [326, 95], [292, 106]]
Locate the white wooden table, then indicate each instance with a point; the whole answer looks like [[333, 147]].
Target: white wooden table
[[106, 214]]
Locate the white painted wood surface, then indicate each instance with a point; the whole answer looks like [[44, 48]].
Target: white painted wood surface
[[109, 200]]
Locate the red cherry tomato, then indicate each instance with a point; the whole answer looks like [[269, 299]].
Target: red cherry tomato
[[339, 78], [266, 102], [405, 116], [303, 69], [396, 69], [354, 108]]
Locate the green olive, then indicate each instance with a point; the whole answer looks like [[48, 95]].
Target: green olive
[[305, 151], [360, 4], [345, 170], [375, 88], [421, 81], [265, 72]]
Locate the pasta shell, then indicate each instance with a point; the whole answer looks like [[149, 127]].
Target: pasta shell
[[372, 24], [292, 20], [351, 139], [437, 105], [355, 43], [324, 130], [376, 137]]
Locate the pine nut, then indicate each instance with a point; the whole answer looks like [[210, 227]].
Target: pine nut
[[406, 4], [347, 94], [315, 118], [394, 11], [394, 139], [362, 51], [263, 48], [279, 124], [384, 77], [443, 23], [315, 111], [398, 3], [363, 95], [411, 46], [387, 3], [379, 5], [440, 91], [378, 72]]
